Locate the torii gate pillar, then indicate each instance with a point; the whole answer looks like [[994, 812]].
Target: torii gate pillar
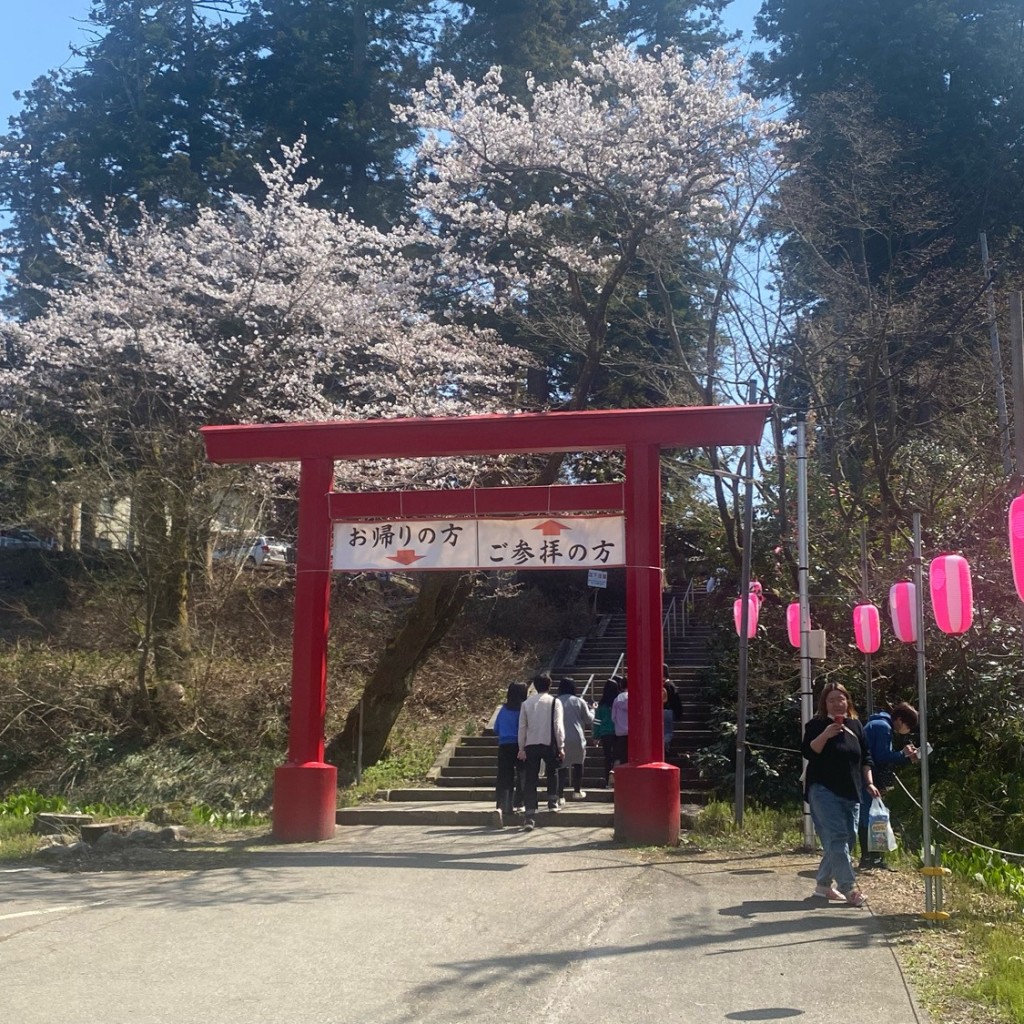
[[305, 787], [646, 789]]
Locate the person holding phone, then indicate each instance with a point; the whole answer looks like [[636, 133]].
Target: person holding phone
[[839, 766], [880, 730]]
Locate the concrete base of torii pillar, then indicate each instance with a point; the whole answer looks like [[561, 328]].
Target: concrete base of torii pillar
[[647, 804], [305, 800]]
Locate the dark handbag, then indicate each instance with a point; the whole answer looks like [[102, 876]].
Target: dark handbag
[[556, 755]]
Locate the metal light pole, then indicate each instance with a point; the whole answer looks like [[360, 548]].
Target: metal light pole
[[803, 558], [922, 711]]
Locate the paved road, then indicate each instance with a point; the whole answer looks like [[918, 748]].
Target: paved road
[[384, 925]]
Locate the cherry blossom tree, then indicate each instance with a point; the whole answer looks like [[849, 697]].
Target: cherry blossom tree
[[260, 311], [564, 210], [587, 218]]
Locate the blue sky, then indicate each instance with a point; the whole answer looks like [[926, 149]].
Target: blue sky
[[31, 42]]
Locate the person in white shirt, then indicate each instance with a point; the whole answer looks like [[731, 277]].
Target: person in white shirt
[[541, 738], [620, 719]]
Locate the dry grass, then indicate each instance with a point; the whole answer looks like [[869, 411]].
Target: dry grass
[[70, 716]]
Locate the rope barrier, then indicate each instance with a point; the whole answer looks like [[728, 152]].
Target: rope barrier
[[945, 828], [962, 838], [768, 746]]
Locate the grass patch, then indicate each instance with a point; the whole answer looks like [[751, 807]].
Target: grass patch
[[764, 828], [999, 947], [16, 839], [18, 812], [409, 766]]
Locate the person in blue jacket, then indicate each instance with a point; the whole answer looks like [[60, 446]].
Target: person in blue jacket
[[879, 731], [509, 792]]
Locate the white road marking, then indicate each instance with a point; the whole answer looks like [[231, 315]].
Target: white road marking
[[52, 910]]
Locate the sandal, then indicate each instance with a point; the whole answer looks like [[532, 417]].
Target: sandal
[[828, 892], [856, 898]]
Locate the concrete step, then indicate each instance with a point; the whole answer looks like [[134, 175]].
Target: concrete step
[[484, 793], [581, 815], [593, 780]]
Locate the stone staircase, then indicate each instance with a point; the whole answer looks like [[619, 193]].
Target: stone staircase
[[462, 790]]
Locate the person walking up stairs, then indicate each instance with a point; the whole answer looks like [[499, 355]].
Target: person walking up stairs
[[541, 738]]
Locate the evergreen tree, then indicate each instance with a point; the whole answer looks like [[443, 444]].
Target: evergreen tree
[[330, 70], [948, 71], [693, 26], [142, 119], [540, 38], [912, 112]]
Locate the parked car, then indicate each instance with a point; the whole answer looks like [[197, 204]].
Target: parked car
[[16, 537], [255, 551], [251, 551], [279, 552]]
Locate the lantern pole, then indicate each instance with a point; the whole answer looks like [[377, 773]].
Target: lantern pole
[[922, 711], [803, 558], [869, 697], [741, 696]]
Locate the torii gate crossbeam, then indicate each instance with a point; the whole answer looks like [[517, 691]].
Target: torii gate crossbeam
[[647, 789]]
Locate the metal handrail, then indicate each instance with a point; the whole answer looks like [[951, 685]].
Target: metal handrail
[[666, 624], [678, 612], [590, 681]]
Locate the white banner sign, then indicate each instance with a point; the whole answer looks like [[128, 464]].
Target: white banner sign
[[567, 542], [597, 578]]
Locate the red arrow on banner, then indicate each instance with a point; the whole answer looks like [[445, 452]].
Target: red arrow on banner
[[406, 556], [551, 528]]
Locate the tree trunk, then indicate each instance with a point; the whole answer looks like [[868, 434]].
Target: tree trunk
[[441, 599], [164, 496]]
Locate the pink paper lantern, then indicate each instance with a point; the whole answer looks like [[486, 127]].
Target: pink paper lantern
[[866, 628], [949, 578], [1017, 543], [753, 606], [902, 598], [793, 623]]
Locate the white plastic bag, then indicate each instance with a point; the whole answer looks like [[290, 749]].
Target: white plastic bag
[[881, 837]]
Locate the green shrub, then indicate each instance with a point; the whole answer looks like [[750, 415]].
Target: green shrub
[[988, 870]]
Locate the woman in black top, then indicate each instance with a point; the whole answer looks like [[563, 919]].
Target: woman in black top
[[837, 761]]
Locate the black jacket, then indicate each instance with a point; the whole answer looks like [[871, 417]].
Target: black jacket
[[840, 764]]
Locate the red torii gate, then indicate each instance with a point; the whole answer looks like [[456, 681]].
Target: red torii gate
[[647, 789]]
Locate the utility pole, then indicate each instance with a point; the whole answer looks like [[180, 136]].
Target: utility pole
[[1017, 361], [741, 696], [997, 360]]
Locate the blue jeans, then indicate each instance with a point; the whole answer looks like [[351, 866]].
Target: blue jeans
[[835, 820]]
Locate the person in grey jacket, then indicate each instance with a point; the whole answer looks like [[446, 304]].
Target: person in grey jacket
[[577, 718], [541, 738]]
